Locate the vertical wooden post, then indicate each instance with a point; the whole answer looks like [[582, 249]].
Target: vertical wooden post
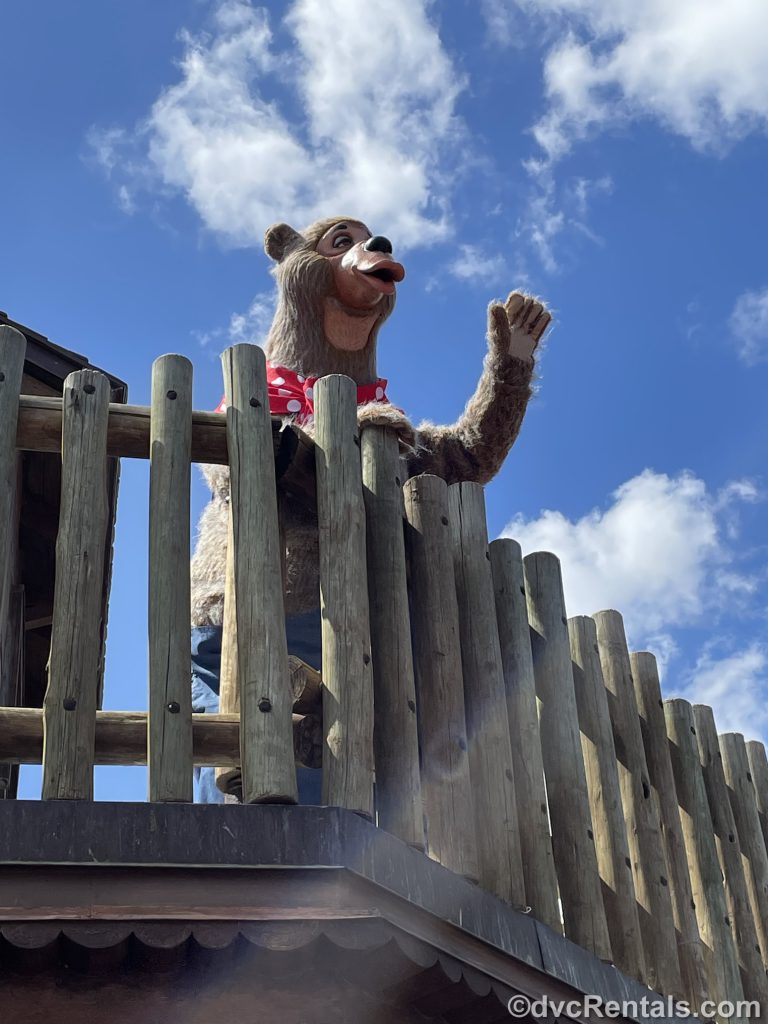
[[758, 764], [742, 795], [572, 837], [396, 743], [491, 768], [645, 678], [523, 718], [73, 668], [602, 772], [641, 814], [706, 879], [266, 733], [753, 974], [13, 346], [347, 670], [445, 779], [169, 738]]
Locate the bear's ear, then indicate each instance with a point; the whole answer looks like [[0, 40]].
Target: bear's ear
[[279, 239]]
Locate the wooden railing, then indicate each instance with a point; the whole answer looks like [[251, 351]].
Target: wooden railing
[[460, 708]]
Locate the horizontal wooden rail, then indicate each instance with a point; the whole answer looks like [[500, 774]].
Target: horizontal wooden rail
[[121, 738], [39, 430]]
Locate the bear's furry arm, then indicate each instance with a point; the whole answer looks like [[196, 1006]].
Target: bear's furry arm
[[209, 562], [475, 447]]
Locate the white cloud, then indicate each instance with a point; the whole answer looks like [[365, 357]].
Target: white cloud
[[376, 95], [249, 328], [472, 264], [749, 326], [735, 686], [657, 553], [697, 66]]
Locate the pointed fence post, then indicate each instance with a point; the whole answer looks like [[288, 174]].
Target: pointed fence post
[[169, 748], [523, 718], [758, 763], [396, 743], [266, 732], [572, 837], [347, 669], [73, 669]]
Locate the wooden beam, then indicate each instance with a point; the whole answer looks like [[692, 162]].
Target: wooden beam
[[121, 738]]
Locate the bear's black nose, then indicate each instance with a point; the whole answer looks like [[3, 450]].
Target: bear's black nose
[[378, 244]]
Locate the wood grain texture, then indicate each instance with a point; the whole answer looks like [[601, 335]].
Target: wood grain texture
[[121, 738], [523, 718], [170, 701], [742, 923], [12, 349], [262, 654], [572, 837], [346, 668], [758, 764], [741, 791], [722, 964], [491, 767], [446, 789], [602, 773], [645, 678], [395, 732], [641, 811], [73, 672]]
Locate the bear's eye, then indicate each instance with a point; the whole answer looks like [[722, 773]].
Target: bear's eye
[[342, 241]]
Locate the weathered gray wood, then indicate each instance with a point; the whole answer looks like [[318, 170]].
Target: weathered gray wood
[[73, 668], [741, 791], [753, 974], [605, 799], [491, 767], [346, 669], [265, 698], [758, 764], [640, 811], [396, 743], [572, 837], [170, 702], [706, 878], [446, 790], [523, 718], [645, 677], [13, 345], [121, 738]]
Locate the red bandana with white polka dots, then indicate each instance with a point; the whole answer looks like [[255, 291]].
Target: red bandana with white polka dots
[[290, 394]]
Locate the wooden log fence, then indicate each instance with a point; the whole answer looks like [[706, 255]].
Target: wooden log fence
[[457, 705]]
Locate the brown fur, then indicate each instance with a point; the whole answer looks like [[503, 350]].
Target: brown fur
[[472, 449]]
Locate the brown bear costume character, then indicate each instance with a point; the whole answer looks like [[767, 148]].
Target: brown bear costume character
[[336, 284]]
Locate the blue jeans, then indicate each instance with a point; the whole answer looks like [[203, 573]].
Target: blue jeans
[[303, 634]]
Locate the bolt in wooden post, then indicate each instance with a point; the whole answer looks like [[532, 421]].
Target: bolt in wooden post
[[347, 669], [491, 768], [396, 742], [758, 764], [13, 346], [605, 799], [523, 718], [170, 702], [266, 737], [741, 791], [572, 837], [706, 878], [753, 974], [640, 811], [446, 791], [73, 668], [645, 678]]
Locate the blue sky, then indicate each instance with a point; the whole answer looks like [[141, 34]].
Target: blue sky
[[608, 155]]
